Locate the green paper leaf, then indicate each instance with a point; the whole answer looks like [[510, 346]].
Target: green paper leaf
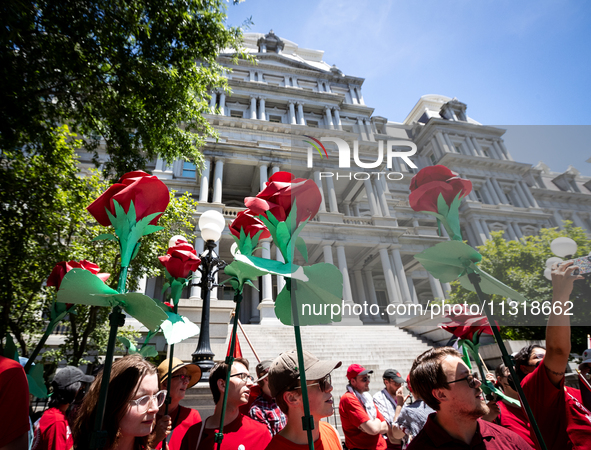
[[324, 289], [176, 290], [136, 250], [36, 382], [177, 328], [442, 207], [81, 287], [143, 308], [130, 346], [165, 287], [282, 239], [490, 285], [164, 308], [446, 261], [105, 237], [152, 229], [250, 283], [302, 248], [148, 351], [271, 218], [466, 357], [453, 219], [10, 350]]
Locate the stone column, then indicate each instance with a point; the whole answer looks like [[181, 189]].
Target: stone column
[[262, 113], [346, 209], [212, 101], [441, 141], [499, 150], [411, 287], [223, 103], [328, 118], [517, 230], [401, 276], [510, 233], [267, 305], [382, 198], [559, 219], [337, 118], [356, 209], [485, 228], [362, 132], [500, 191], [253, 107], [449, 143], [470, 145], [491, 189], [479, 231], [195, 291], [204, 186], [370, 135], [361, 299], [389, 276], [327, 250], [262, 176], [472, 239], [529, 195], [371, 289], [505, 151], [292, 115], [477, 146], [332, 196], [371, 198], [347, 295], [353, 95], [217, 180], [301, 120], [318, 182], [578, 222], [359, 95], [436, 288], [446, 289], [274, 169], [522, 196]]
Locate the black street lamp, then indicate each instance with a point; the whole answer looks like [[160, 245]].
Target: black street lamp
[[211, 225]]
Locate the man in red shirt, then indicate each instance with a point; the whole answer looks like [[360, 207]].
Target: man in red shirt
[[363, 424], [563, 420], [285, 387], [442, 379], [240, 431], [14, 405], [53, 432]]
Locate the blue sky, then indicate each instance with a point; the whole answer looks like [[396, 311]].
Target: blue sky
[[524, 66]]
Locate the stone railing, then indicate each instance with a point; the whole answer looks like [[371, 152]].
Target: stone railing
[[230, 212], [350, 220]]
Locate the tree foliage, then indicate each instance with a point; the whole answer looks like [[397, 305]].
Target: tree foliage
[[520, 265], [128, 72]]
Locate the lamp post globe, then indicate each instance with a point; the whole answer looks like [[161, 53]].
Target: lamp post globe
[[211, 225], [563, 247]]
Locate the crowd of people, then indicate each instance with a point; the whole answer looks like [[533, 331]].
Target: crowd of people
[[439, 405]]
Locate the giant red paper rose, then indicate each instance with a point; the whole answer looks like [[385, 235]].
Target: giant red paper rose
[[281, 192], [180, 260], [61, 268], [148, 193], [246, 221], [431, 181], [465, 325]]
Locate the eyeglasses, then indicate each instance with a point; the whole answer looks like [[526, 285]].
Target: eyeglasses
[[183, 378], [243, 376], [323, 383], [472, 381], [365, 379], [143, 403]]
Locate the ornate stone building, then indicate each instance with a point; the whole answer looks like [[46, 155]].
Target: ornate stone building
[[365, 226]]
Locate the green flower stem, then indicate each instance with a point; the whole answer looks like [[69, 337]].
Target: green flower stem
[[475, 280], [98, 438], [229, 360], [307, 420], [175, 300]]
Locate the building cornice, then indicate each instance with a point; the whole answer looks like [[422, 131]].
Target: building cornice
[[457, 159], [423, 132]]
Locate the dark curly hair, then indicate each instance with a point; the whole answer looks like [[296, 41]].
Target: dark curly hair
[[522, 358]]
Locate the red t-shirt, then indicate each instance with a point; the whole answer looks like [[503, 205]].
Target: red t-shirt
[[14, 401], [489, 436], [54, 432], [353, 414], [187, 417], [244, 433], [563, 420], [328, 440], [514, 419]]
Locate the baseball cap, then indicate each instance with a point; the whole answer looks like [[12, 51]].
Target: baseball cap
[[70, 375], [284, 371], [586, 358], [262, 369], [355, 370], [192, 369], [393, 374]]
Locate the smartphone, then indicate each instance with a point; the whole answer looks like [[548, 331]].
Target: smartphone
[[584, 265]]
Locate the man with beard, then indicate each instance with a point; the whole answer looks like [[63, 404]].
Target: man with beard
[[442, 379]]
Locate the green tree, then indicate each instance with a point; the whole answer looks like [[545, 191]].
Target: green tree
[[127, 72], [520, 265]]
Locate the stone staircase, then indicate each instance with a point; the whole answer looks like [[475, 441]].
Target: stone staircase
[[375, 347]]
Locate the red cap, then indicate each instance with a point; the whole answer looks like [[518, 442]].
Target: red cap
[[355, 370]]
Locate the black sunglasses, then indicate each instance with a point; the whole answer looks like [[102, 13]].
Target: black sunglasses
[[323, 383], [470, 379]]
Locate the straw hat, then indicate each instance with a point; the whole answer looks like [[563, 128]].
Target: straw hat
[[192, 369]]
